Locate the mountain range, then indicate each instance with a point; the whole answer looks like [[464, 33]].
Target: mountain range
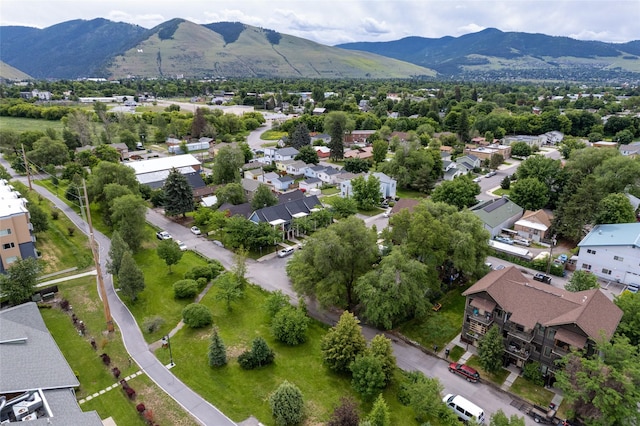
[[179, 48]]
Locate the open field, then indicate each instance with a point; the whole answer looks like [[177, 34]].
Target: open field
[[19, 124]]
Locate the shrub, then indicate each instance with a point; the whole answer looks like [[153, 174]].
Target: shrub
[[196, 316], [140, 407], [287, 404], [259, 355], [368, 376], [55, 215], [246, 360], [275, 302], [152, 324], [216, 268], [345, 414], [116, 372], [290, 326], [64, 305], [106, 360], [533, 373], [199, 272], [185, 289], [130, 392], [202, 282]]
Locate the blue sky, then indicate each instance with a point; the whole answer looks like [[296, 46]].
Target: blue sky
[[338, 21]]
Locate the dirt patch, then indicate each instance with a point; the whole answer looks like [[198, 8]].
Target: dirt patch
[[157, 402], [235, 351]]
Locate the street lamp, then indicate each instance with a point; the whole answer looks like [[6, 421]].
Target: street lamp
[[166, 342]]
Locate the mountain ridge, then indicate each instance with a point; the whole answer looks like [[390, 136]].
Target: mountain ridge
[[178, 47]]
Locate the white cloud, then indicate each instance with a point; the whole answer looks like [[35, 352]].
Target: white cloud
[[470, 28], [372, 26], [146, 20], [231, 15]]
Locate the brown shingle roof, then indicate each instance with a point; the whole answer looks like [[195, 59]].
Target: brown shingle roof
[[531, 303], [539, 216]]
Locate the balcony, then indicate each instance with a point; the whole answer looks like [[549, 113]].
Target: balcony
[[519, 334], [560, 350], [517, 350], [484, 319]]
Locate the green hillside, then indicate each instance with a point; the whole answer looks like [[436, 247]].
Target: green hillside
[[7, 72], [180, 47]]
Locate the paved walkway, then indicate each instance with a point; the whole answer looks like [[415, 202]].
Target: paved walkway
[[70, 277], [203, 411]]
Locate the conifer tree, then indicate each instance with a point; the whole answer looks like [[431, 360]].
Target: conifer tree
[[217, 351], [178, 194]]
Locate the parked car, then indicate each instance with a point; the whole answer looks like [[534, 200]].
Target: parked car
[[195, 230], [542, 278], [505, 240], [182, 245], [563, 258], [633, 288], [522, 242], [499, 267], [541, 415], [218, 243], [286, 252], [163, 235], [476, 180], [387, 213], [490, 174], [465, 371]]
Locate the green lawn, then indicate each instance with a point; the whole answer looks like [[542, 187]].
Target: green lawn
[[408, 193], [500, 192], [456, 353], [239, 393], [498, 378], [157, 297], [19, 124], [330, 191], [532, 393], [438, 328], [272, 135], [92, 373]]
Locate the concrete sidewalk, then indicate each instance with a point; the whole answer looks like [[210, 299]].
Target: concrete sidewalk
[[70, 277]]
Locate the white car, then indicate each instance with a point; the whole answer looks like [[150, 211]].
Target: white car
[[286, 252], [182, 245], [387, 213], [195, 230], [163, 235], [476, 180]]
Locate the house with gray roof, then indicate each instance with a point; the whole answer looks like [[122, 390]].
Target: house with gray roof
[[328, 175], [312, 171], [497, 214], [310, 183], [281, 216], [539, 322], [37, 384], [611, 252], [468, 162], [282, 183]]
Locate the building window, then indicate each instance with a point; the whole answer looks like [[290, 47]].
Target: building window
[[547, 351], [541, 330], [4, 232], [591, 251], [618, 258], [551, 333], [8, 246], [586, 267], [11, 259], [606, 271]]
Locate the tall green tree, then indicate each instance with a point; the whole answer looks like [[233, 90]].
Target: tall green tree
[[48, 151], [380, 347], [630, 323], [380, 414], [116, 251], [336, 125], [499, 418], [289, 326], [368, 378], [356, 165], [366, 191], [460, 192], [307, 154], [229, 290], [462, 126], [128, 214], [231, 193], [615, 208], [300, 136], [424, 397], [105, 173], [387, 294], [217, 351], [263, 197], [581, 280], [18, 282], [130, 277], [380, 149], [490, 350], [343, 343], [178, 194], [332, 261], [529, 193], [287, 404], [39, 218], [169, 251], [602, 389], [226, 166]]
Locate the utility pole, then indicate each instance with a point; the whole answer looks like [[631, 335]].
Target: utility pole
[[96, 261], [26, 166], [553, 243]]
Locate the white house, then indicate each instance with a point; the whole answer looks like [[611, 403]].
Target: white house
[[312, 171], [296, 168], [387, 185], [310, 183], [278, 154], [328, 175], [612, 252], [529, 140], [282, 183]]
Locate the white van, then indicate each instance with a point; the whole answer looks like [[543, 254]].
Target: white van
[[464, 409]]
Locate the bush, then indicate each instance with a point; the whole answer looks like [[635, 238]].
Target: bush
[[287, 404], [64, 305], [106, 360], [199, 272], [202, 282], [368, 376], [152, 324], [216, 268], [55, 215], [185, 289], [290, 326], [259, 355], [140, 407], [275, 302], [533, 373], [196, 316]]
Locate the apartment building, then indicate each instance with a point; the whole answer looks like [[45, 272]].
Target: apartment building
[[16, 232]]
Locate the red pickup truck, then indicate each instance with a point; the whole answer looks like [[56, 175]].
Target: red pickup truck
[[465, 371]]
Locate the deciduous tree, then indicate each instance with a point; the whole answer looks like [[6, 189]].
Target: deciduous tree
[[231, 193], [345, 414], [499, 418], [380, 149], [366, 191], [18, 282], [460, 192], [380, 347], [226, 168], [343, 343], [39, 218], [116, 252], [289, 326], [169, 251], [368, 378], [581, 280], [228, 289], [630, 323], [615, 208], [48, 151], [128, 214], [263, 197], [529, 193], [356, 165], [307, 154]]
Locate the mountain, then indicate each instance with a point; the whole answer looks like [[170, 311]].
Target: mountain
[[102, 48], [68, 50], [491, 51], [232, 49], [7, 72]]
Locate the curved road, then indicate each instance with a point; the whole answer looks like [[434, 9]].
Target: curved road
[[203, 411]]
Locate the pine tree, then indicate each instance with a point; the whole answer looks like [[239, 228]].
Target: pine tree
[[217, 351], [130, 277], [490, 350], [116, 251], [287, 404], [300, 136], [178, 194], [380, 347], [379, 415]]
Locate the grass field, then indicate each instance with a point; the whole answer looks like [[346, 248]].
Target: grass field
[[408, 193], [92, 373], [532, 393], [272, 135], [239, 393], [498, 377], [19, 125], [440, 327]]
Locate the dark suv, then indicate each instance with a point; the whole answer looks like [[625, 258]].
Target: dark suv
[[542, 278], [465, 371]]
